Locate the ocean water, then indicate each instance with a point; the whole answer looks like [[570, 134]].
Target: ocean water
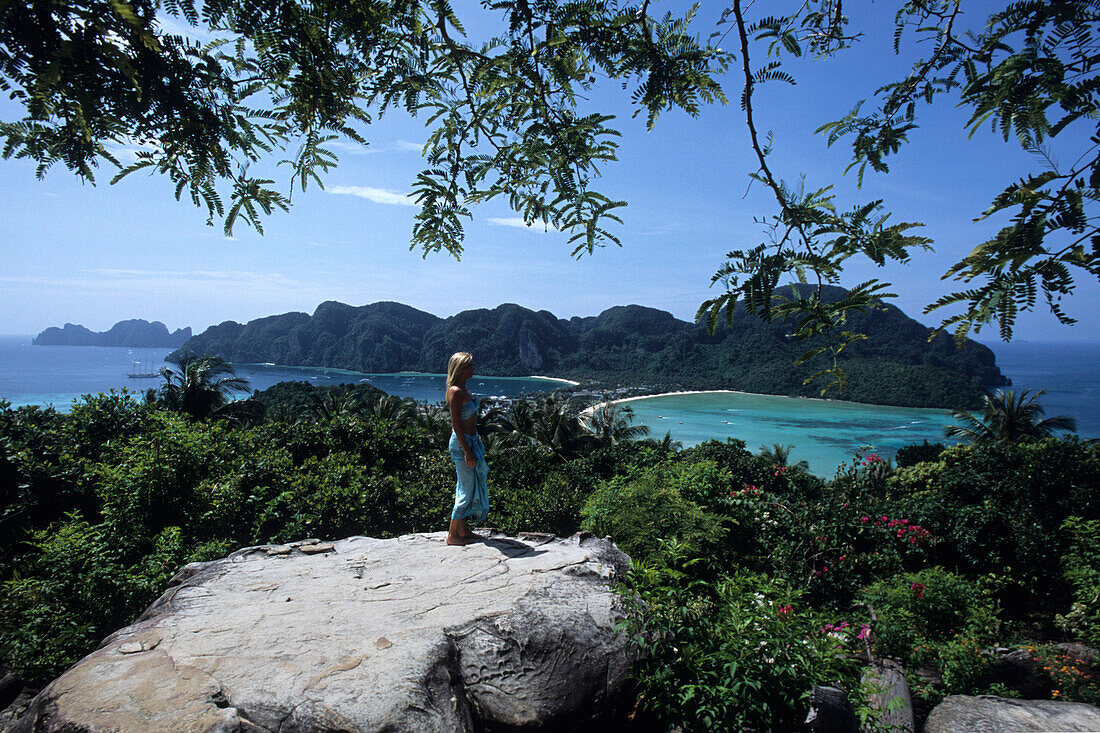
[[1070, 373], [824, 433], [56, 375], [827, 434]]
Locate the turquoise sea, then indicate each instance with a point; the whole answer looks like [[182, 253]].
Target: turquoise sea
[[828, 433], [824, 433], [56, 375]]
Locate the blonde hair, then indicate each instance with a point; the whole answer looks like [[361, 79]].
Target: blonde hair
[[457, 364]]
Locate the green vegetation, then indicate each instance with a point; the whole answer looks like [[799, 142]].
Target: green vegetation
[[289, 78], [1008, 417], [1029, 72], [624, 345], [752, 580], [198, 386]]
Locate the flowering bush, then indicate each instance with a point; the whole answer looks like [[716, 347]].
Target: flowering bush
[[739, 654], [999, 509], [1070, 679], [933, 607]]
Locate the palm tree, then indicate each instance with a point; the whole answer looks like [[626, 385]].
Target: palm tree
[[328, 405], [779, 456], [558, 428], [1008, 417], [611, 423], [667, 444], [433, 418], [513, 425], [199, 385], [389, 407], [547, 423]]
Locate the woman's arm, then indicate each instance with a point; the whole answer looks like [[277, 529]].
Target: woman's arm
[[454, 401]]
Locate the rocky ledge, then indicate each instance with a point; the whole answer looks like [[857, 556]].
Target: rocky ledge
[[987, 714], [407, 634]]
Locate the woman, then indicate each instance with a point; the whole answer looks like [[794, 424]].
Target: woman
[[468, 452]]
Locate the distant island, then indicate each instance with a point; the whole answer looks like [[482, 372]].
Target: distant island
[[135, 332], [628, 345]]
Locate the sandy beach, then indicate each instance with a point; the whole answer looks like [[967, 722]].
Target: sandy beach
[[764, 394], [590, 408], [555, 379]]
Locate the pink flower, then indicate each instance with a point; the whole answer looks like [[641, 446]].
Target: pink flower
[[864, 519], [864, 632]]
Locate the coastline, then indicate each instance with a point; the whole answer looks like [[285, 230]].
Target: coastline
[[554, 379], [761, 394], [338, 370]]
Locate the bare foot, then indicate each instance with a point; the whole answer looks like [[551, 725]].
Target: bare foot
[[458, 540]]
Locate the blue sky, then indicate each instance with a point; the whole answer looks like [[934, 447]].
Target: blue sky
[[72, 252]]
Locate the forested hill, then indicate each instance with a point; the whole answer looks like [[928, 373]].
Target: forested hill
[[625, 345], [134, 332]]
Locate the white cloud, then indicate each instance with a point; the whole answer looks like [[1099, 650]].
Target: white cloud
[[127, 153], [519, 223], [350, 147], [193, 282], [377, 195]]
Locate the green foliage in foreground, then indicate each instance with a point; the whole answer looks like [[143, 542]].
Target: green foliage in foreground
[[1081, 567], [751, 581]]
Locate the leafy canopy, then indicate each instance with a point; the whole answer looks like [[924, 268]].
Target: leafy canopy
[[1032, 73], [288, 78], [508, 118]]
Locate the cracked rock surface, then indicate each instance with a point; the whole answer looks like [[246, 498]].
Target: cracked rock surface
[[988, 714], [407, 634]]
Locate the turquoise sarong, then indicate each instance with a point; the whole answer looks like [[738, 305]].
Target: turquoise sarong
[[472, 488]]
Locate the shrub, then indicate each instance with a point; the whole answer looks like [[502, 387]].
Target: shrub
[[152, 482], [331, 498], [425, 495], [554, 506], [1070, 679], [739, 654], [999, 510], [933, 605], [914, 453], [77, 590], [1081, 568], [99, 422], [641, 511]]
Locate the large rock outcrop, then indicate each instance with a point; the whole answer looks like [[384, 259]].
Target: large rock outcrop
[[987, 714], [407, 634], [134, 332]]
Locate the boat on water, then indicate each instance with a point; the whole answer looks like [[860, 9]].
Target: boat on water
[[143, 371]]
